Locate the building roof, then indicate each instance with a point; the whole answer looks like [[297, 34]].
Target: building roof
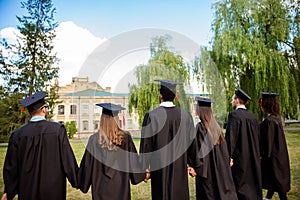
[[93, 92], [88, 92]]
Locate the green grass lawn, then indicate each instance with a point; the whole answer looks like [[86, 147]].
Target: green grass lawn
[[142, 191]]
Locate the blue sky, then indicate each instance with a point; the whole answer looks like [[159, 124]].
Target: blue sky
[[107, 18]]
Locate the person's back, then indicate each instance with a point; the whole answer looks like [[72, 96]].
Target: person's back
[[242, 137], [247, 140], [246, 126], [167, 133], [110, 173], [163, 119], [167, 144], [214, 179], [275, 158], [44, 157], [110, 161], [39, 158]]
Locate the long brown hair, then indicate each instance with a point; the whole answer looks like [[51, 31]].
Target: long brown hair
[[111, 135], [271, 105], [206, 116]]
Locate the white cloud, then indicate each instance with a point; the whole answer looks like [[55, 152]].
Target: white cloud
[[10, 34], [72, 43], [121, 71]]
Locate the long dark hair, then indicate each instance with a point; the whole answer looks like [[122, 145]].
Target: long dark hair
[[206, 116], [271, 105]]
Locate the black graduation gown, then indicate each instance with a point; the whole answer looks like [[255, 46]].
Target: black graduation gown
[[109, 172], [214, 180], [242, 137], [167, 135], [275, 159], [38, 160]]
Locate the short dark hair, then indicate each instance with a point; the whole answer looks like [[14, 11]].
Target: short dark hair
[[167, 94], [34, 110], [242, 101]]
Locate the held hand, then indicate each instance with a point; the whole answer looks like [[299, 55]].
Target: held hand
[[4, 196], [147, 175], [192, 172], [231, 162]]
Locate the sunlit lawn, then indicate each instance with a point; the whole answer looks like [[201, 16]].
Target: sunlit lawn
[[142, 191]]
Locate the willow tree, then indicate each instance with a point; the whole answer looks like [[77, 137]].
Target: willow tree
[[250, 47], [208, 75], [295, 45], [30, 64], [163, 64]]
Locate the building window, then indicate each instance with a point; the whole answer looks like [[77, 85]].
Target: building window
[[73, 109], [61, 109], [96, 124], [85, 125], [85, 109]]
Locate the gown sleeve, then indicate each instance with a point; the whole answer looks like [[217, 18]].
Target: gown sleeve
[[85, 170], [193, 159], [203, 148], [231, 134], [267, 132], [146, 142], [10, 169], [68, 159], [135, 165]]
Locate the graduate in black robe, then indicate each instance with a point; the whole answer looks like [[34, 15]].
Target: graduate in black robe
[[242, 137], [39, 157], [167, 133], [214, 180], [110, 161], [275, 159]]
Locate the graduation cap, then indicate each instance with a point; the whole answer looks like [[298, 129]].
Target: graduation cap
[[110, 108], [269, 95], [242, 95], [34, 101], [169, 85], [204, 102]]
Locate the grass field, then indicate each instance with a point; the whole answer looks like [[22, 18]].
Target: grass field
[[142, 191]]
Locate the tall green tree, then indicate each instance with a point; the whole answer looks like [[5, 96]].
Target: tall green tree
[[249, 47], [207, 74], [11, 114], [31, 64], [294, 57], [163, 64]]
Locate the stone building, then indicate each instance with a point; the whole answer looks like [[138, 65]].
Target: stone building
[[78, 101]]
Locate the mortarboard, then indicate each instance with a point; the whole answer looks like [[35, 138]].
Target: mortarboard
[[34, 101], [269, 95], [167, 84], [242, 95], [205, 102], [110, 108]]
